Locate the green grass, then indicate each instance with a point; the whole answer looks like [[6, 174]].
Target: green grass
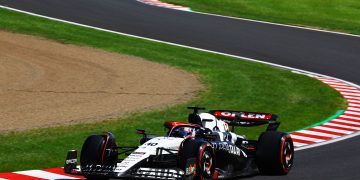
[[230, 84], [338, 15]]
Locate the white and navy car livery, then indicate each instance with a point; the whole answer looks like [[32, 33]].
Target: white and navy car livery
[[205, 147]]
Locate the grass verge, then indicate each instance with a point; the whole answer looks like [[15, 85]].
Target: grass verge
[[231, 84], [337, 15]]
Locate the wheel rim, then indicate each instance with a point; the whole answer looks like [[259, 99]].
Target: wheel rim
[[288, 155], [207, 163]]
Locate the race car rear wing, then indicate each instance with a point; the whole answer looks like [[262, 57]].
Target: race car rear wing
[[246, 119]]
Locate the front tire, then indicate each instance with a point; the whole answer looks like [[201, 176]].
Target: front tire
[[206, 162], [275, 153], [197, 159], [93, 152]]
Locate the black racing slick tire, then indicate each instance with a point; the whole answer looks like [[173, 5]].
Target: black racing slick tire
[[275, 153], [95, 151], [197, 159], [91, 151], [206, 162]]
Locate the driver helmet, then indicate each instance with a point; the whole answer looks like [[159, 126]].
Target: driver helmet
[[183, 132]]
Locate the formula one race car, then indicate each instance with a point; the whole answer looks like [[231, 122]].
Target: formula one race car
[[203, 148]]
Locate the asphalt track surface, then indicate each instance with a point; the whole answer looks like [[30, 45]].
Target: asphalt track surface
[[326, 53]]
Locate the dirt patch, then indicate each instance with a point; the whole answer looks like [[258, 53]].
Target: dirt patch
[[45, 83]]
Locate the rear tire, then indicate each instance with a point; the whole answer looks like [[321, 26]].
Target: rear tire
[[275, 153]]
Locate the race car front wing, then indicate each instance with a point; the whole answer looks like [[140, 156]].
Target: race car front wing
[[138, 172]]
